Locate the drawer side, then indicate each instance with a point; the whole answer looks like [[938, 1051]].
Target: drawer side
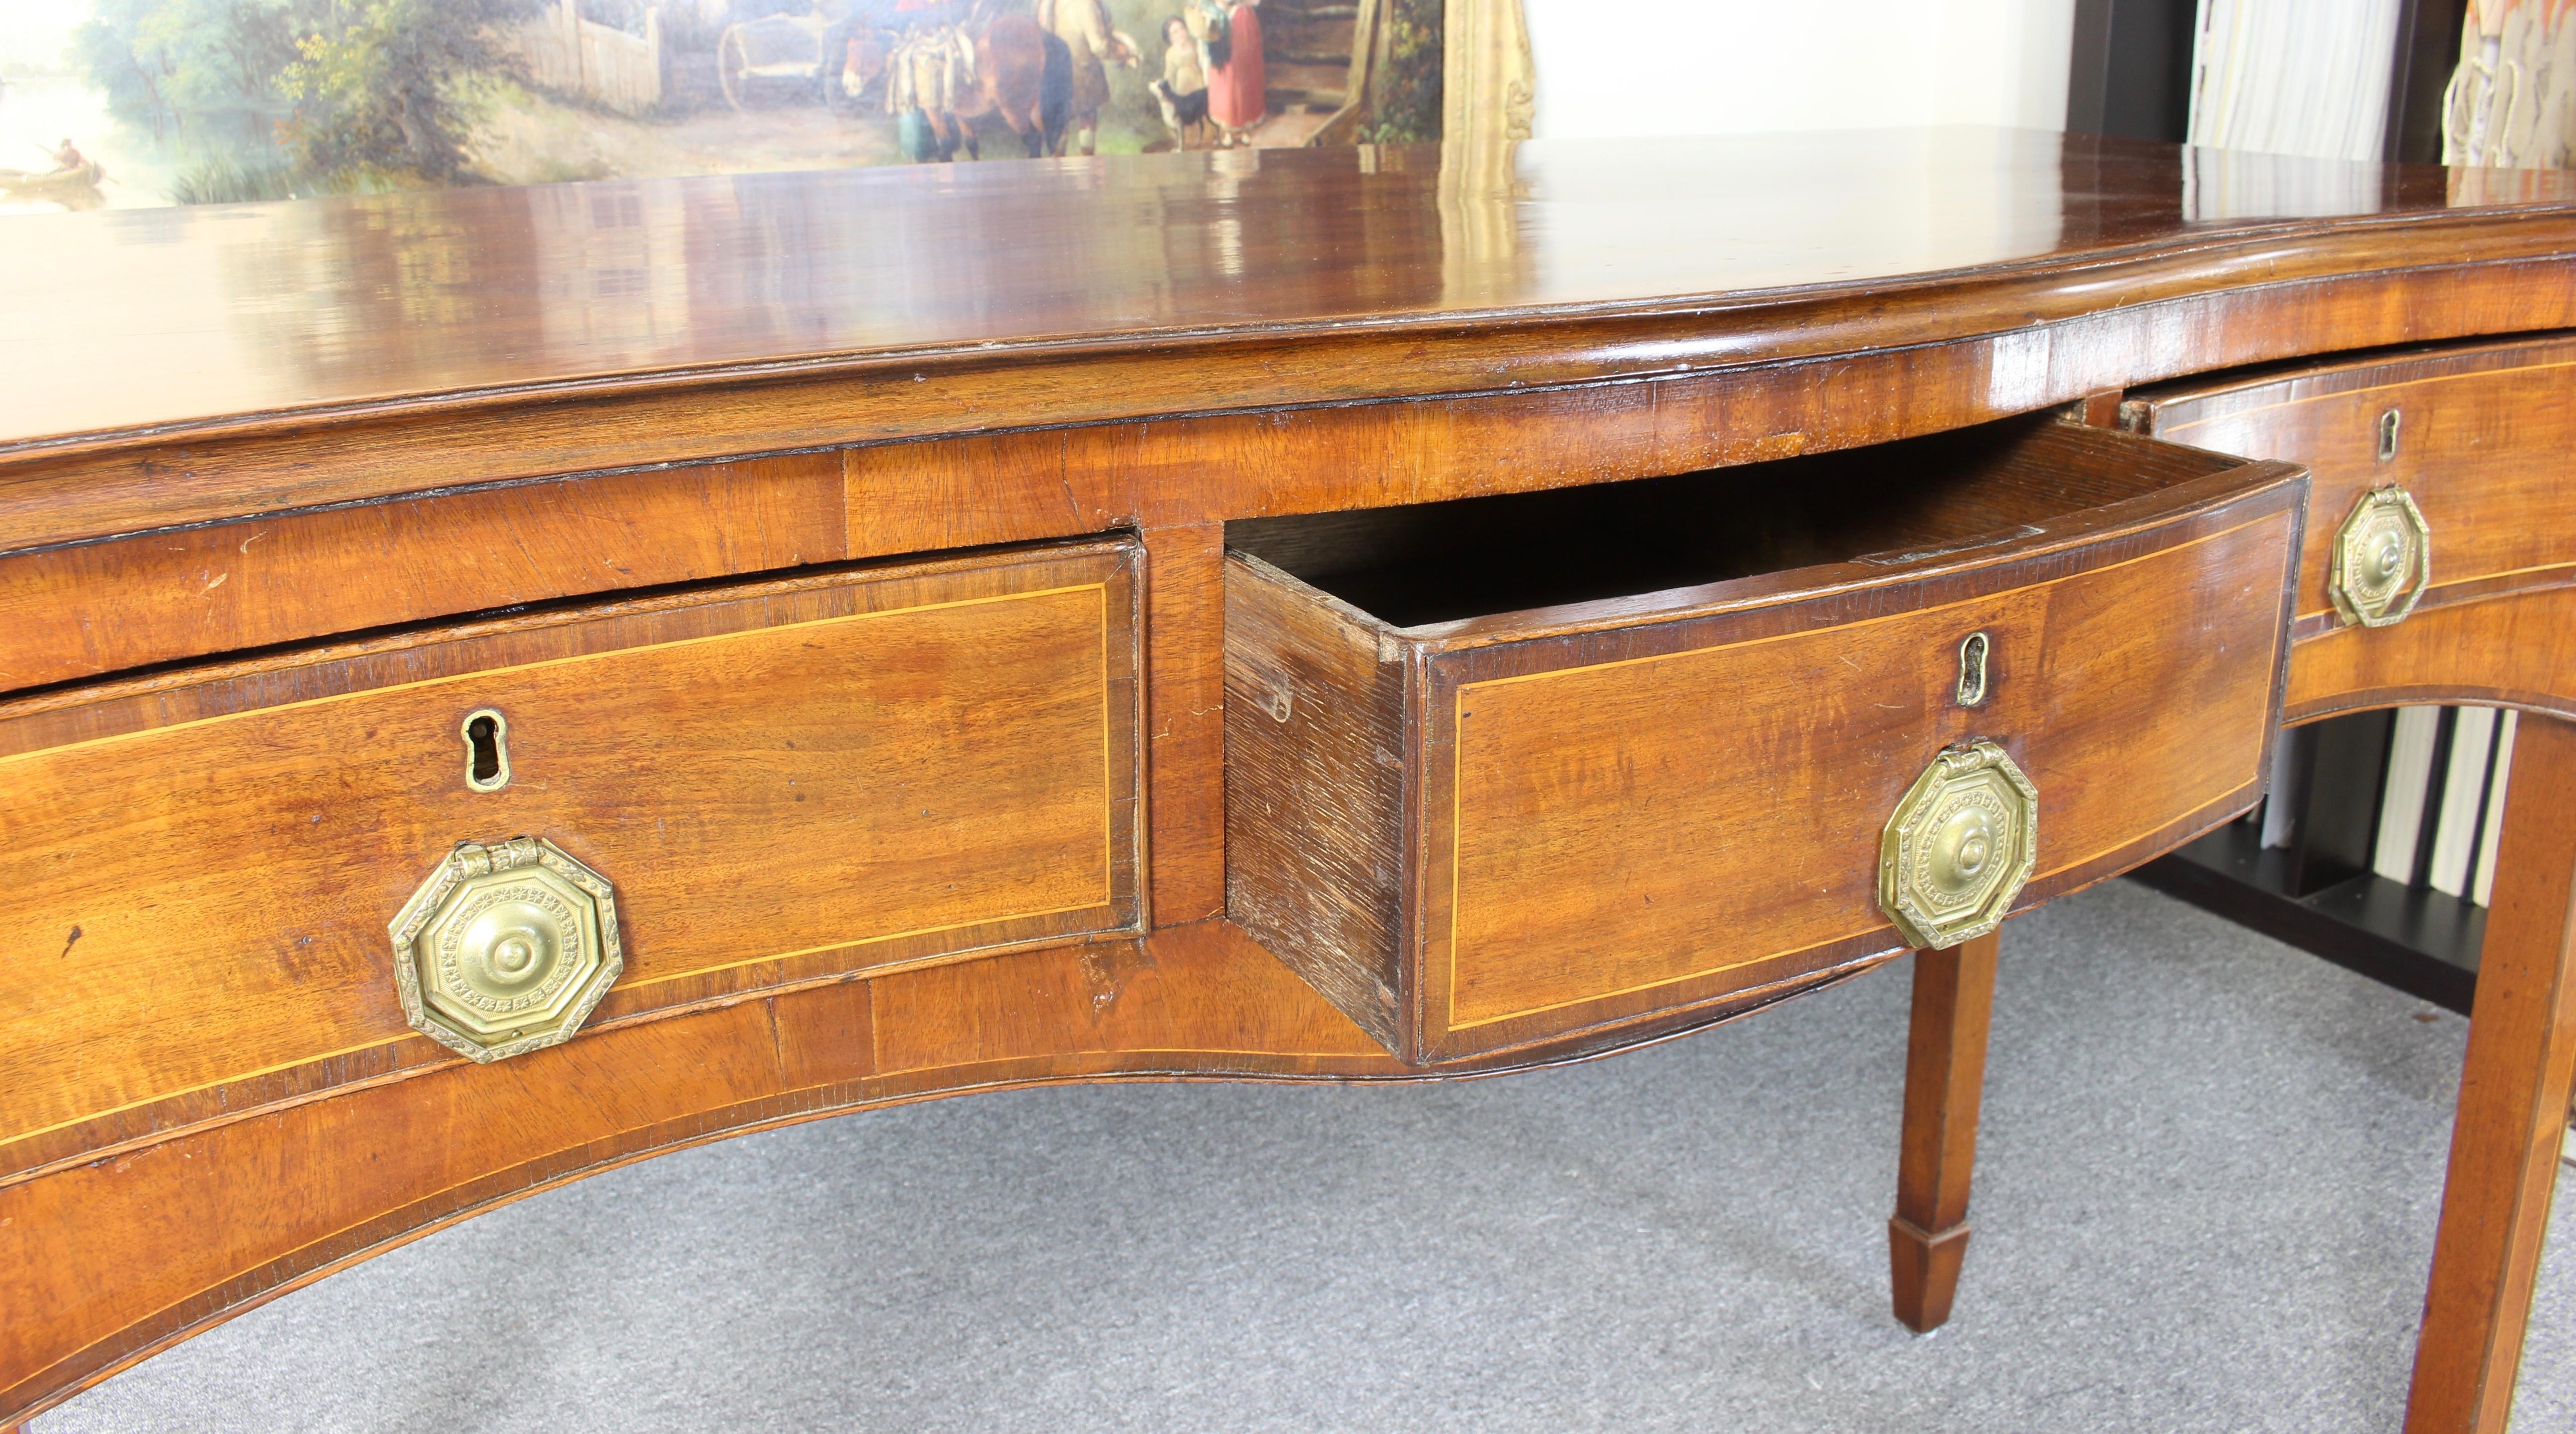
[[1314, 727]]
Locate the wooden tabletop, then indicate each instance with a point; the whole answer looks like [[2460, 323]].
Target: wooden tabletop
[[135, 320]]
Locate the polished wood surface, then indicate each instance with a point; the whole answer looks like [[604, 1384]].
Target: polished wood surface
[[2512, 1123], [787, 782], [2483, 443], [1185, 696], [270, 455], [2516, 651], [124, 1255], [1945, 1080], [2483, 439], [497, 334], [270, 309], [1640, 803], [93, 608]]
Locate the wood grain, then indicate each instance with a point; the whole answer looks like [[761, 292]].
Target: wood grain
[[283, 309], [1945, 1078], [962, 492], [75, 612], [249, 446], [1185, 720], [1627, 805], [129, 1254], [2518, 650], [1624, 829], [786, 781], [1196, 289], [2514, 1086], [2485, 434], [1314, 802]]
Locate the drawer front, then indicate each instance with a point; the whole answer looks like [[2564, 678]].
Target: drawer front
[[1629, 822], [1552, 826], [2482, 438], [785, 782]]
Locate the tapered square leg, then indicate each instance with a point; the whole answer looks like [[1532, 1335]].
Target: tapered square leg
[[2513, 1104], [1945, 1077]]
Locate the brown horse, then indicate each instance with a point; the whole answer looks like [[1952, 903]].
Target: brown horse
[[1022, 73]]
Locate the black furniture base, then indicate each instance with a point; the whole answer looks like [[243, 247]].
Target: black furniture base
[[2421, 941]]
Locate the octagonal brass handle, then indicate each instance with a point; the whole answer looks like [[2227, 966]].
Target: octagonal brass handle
[[2383, 557], [506, 948], [1959, 847]]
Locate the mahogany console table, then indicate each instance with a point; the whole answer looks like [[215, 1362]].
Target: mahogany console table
[[499, 683]]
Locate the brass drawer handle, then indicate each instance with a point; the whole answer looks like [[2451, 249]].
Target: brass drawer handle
[[1959, 847], [2383, 557], [505, 948]]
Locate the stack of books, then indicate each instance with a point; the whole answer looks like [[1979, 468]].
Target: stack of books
[[2294, 76]]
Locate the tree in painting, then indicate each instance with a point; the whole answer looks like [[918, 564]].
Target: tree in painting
[[380, 85], [1407, 105], [194, 101], [300, 95]]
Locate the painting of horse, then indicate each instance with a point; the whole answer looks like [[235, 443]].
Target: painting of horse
[[201, 101]]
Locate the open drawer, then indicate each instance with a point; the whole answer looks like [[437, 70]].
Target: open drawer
[[1505, 771]]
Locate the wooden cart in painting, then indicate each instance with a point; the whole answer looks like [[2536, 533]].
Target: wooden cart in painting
[[784, 59]]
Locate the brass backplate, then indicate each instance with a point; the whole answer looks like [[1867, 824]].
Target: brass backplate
[[506, 948], [1959, 848], [2383, 558]]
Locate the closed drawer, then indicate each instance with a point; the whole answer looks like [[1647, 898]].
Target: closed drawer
[[1506, 771], [2479, 436], [785, 782]]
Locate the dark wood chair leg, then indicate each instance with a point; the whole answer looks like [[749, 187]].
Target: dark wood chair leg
[[1945, 1076], [2513, 1104]]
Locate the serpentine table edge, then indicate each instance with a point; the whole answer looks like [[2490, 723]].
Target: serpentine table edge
[[1440, 343]]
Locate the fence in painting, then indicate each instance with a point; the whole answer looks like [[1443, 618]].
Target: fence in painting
[[604, 64]]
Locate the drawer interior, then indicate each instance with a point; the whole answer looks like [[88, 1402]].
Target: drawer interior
[[1527, 769], [1885, 506]]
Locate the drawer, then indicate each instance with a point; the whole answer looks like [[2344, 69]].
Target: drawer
[[1505, 771], [781, 782], [2480, 437]]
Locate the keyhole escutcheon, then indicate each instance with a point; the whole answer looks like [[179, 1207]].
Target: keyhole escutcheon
[[1972, 669], [487, 750]]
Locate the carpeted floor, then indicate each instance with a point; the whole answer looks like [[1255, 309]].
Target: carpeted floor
[[2205, 1201]]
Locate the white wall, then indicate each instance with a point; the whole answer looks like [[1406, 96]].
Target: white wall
[[1673, 67]]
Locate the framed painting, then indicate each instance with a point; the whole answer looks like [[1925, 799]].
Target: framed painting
[[120, 103]]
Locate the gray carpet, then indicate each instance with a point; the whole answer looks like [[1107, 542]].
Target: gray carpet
[[2205, 1201]]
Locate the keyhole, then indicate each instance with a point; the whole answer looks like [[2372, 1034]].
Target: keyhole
[[1972, 669], [2388, 435], [487, 751]]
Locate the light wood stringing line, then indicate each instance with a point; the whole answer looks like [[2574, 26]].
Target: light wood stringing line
[[2174, 435], [1109, 831], [483, 673], [2236, 413], [1457, 819]]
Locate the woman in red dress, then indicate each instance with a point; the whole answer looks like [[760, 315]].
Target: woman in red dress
[[1237, 89]]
